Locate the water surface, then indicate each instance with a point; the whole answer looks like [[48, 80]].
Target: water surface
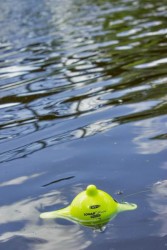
[[83, 101]]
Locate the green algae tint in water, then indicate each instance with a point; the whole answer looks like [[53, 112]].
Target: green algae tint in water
[[83, 100]]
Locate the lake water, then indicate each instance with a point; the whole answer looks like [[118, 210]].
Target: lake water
[[83, 88]]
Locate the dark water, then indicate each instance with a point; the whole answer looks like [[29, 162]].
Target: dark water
[[83, 88]]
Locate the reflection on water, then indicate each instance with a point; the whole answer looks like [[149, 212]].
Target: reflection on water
[[102, 62], [154, 129], [31, 232], [83, 132], [83, 93], [158, 203]]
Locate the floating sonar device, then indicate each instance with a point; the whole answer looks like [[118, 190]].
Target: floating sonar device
[[91, 208]]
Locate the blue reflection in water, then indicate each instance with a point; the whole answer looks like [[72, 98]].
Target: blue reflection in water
[[83, 95]]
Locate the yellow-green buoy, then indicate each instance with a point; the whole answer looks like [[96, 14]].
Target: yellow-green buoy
[[92, 208]]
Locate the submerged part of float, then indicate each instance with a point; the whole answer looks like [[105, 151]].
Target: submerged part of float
[[92, 208]]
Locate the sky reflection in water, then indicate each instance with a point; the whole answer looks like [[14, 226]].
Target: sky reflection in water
[[83, 95]]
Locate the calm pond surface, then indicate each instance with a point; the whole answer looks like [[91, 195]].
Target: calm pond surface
[[83, 88]]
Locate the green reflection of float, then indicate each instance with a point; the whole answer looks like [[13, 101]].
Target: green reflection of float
[[92, 208]]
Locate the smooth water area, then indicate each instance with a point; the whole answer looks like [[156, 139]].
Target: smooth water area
[[83, 88]]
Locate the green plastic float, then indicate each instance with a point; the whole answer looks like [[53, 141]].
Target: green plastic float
[[92, 208]]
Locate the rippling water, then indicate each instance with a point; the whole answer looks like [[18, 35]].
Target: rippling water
[[83, 88]]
